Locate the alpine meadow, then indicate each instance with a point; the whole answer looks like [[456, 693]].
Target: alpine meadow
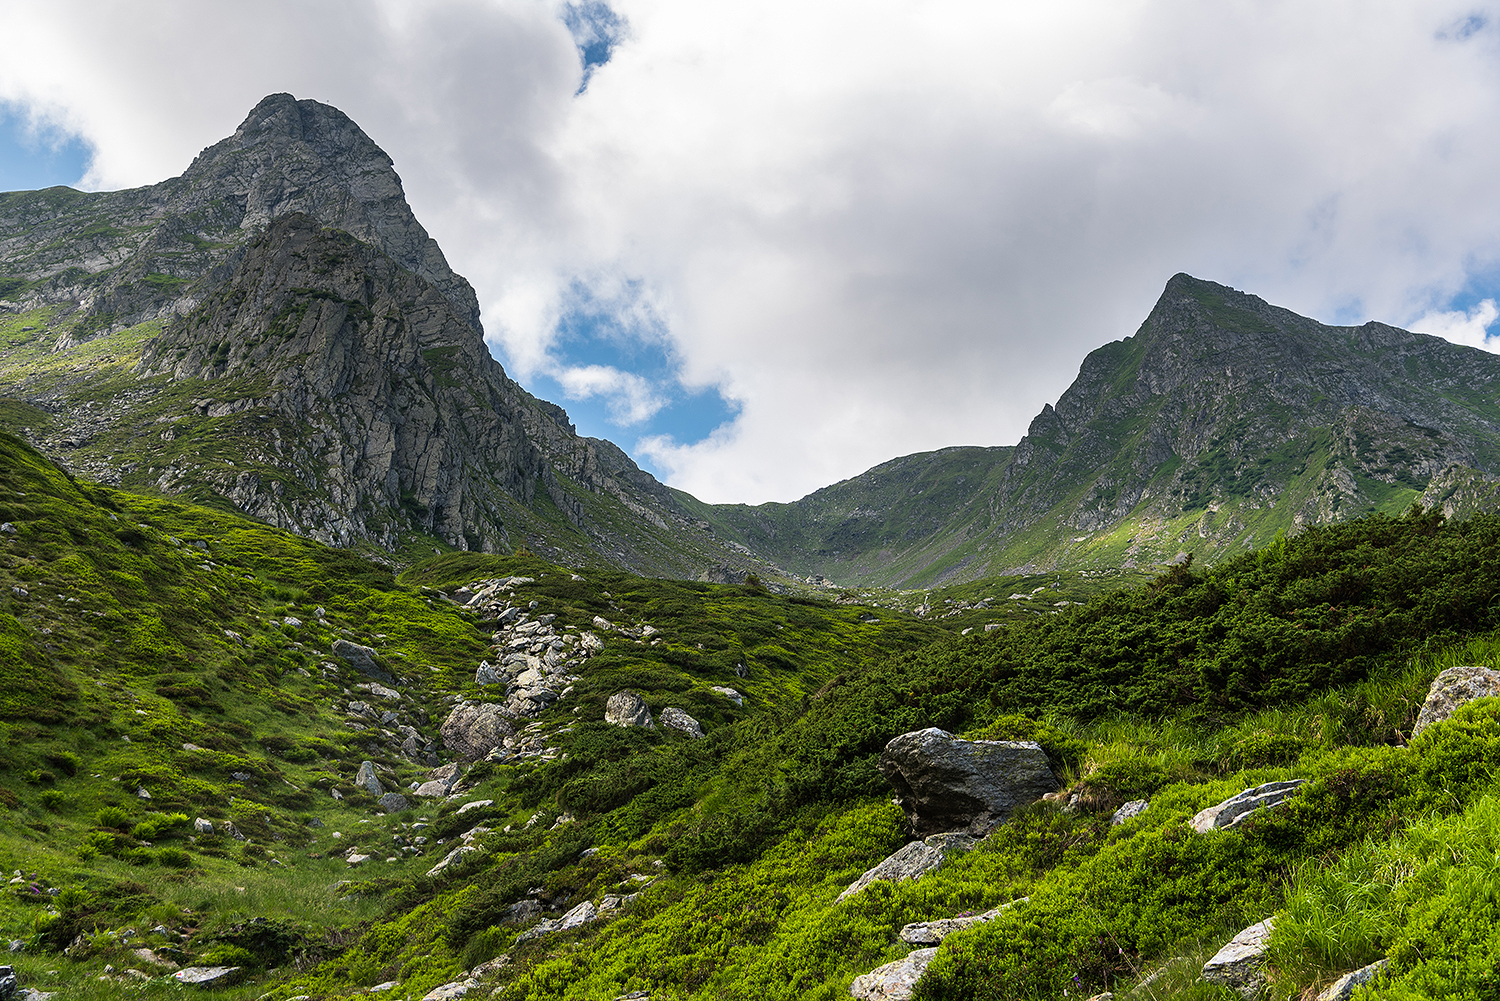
[[334, 663]]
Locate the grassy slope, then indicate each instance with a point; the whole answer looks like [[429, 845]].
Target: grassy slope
[[745, 837]]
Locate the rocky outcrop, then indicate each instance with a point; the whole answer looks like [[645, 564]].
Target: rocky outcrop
[[627, 709], [207, 976], [366, 779], [1238, 966], [1134, 808], [474, 729], [1342, 989], [945, 784], [910, 862], [677, 719], [1238, 807], [1453, 688], [933, 932], [893, 981]]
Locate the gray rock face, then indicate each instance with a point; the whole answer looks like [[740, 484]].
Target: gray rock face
[[203, 826], [367, 780], [1236, 808], [679, 720], [580, 915], [363, 659], [471, 731], [393, 802], [1134, 808], [1342, 989], [1453, 688], [910, 862], [933, 932], [627, 709], [945, 784], [1238, 965], [207, 976], [893, 981], [487, 674], [730, 694]]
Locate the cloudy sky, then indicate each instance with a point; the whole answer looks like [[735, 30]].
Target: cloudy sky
[[766, 246]]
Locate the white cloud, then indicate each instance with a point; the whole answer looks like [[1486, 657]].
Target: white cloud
[[877, 227], [629, 398], [1469, 327]]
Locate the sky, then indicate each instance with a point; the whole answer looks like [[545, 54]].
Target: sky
[[764, 247]]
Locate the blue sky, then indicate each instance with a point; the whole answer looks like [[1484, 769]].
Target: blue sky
[[30, 159]]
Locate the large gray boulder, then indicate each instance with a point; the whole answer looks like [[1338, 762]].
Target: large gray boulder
[[933, 932], [893, 981], [207, 976], [947, 784], [680, 720], [627, 709], [1453, 688], [1238, 966], [1236, 808], [367, 780], [473, 730], [1342, 989], [363, 659]]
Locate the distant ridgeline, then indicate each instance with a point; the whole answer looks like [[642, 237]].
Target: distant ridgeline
[[273, 332]]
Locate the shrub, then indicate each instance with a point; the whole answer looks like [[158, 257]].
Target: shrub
[[112, 817], [175, 858], [52, 799]]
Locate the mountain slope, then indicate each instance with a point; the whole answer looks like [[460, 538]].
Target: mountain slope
[[274, 332], [1221, 422]]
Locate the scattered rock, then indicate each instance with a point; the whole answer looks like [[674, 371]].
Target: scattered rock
[[1237, 966], [207, 976], [679, 720], [1236, 808], [455, 855], [910, 862], [730, 694], [473, 730], [451, 990], [8, 982], [358, 858], [431, 789], [945, 784], [7, 528], [234, 832], [477, 804], [363, 659], [933, 932], [367, 780], [393, 802], [893, 981], [580, 915], [389, 985], [1134, 808], [142, 793], [1343, 988], [1453, 688], [488, 674], [627, 709]]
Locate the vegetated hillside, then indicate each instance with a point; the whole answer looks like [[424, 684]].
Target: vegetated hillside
[[1222, 422], [274, 333], [712, 862]]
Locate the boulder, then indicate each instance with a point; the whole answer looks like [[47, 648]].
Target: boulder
[[452, 989], [933, 932], [1342, 989], [203, 826], [431, 789], [1237, 966], [207, 976], [944, 783], [580, 915], [488, 674], [1453, 688], [627, 709], [730, 694], [1134, 808], [393, 802], [910, 862], [473, 730], [8, 982], [893, 981], [679, 720], [363, 659], [1236, 808], [367, 780]]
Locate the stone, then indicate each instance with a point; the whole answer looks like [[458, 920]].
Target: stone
[[911, 862], [207, 976], [363, 659], [367, 780], [7, 528], [203, 826], [893, 981], [1134, 808], [477, 804], [358, 858], [933, 932], [149, 957], [1455, 687], [454, 856], [1237, 966], [679, 720], [431, 789], [1343, 988], [1236, 808], [473, 730], [488, 674], [730, 694], [32, 994], [452, 989], [389, 985], [8, 983], [393, 802], [944, 783], [627, 709], [580, 915], [234, 832], [141, 793]]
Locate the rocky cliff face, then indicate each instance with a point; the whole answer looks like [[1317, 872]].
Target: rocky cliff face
[[123, 257], [1222, 421]]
